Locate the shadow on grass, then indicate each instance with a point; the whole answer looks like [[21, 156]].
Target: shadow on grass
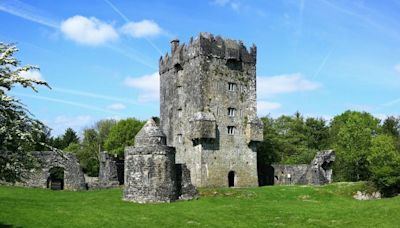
[[2, 225]]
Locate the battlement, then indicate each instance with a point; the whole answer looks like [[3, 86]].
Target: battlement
[[207, 45]]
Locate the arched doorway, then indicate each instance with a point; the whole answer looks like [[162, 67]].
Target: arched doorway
[[55, 181], [231, 179]]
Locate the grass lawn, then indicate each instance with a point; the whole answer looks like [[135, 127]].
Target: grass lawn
[[295, 206]]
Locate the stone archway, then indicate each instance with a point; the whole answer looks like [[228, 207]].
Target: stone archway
[[55, 181], [231, 179]]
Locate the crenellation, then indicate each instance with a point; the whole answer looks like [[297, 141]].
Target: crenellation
[[207, 45]]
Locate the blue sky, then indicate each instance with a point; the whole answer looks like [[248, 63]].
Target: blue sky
[[319, 57]]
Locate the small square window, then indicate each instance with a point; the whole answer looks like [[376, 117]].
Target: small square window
[[231, 86], [231, 130], [231, 112]]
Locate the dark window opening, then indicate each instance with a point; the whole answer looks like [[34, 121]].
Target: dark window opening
[[233, 64], [178, 67], [56, 179], [231, 130], [231, 179], [231, 112], [231, 86]]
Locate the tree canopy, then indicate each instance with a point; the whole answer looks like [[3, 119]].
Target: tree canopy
[[18, 127]]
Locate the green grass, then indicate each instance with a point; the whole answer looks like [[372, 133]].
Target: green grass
[[295, 206]]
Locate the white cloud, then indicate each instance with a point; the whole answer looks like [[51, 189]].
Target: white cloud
[[148, 86], [61, 123], [280, 84], [117, 106], [265, 107], [33, 74], [140, 29], [89, 31], [397, 68]]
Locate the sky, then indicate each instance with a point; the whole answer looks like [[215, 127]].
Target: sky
[[318, 57]]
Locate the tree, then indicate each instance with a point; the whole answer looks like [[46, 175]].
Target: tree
[[351, 134], [92, 143], [123, 134], [17, 127], [384, 164], [391, 126], [103, 128], [69, 137]]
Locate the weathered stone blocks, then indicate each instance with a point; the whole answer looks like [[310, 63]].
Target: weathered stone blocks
[[151, 174]]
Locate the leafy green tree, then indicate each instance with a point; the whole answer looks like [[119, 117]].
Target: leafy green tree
[[384, 164], [317, 133], [103, 128], [18, 127], [391, 126], [351, 135], [123, 134], [69, 137]]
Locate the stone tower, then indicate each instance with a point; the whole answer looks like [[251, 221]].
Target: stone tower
[[208, 109], [150, 168]]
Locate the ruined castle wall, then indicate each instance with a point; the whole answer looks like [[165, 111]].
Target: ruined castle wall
[[150, 174], [209, 76], [73, 175]]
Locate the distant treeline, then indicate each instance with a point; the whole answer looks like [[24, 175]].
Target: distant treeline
[[367, 149]]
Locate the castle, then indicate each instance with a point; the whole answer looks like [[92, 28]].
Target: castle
[[208, 109]]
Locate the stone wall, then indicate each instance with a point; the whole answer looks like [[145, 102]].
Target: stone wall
[[318, 172], [73, 175], [151, 174], [206, 88]]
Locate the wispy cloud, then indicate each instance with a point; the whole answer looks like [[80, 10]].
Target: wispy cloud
[[27, 12], [128, 21], [391, 103], [61, 101], [266, 107], [93, 95], [62, 122], [366, 15], [322, 65], [30, 13], [148, 86], [117, 106], [397, 68], [88, 31], [281, 84]]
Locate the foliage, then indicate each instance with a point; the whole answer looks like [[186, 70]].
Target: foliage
[[123, 134], [63, 141], [351, 135], [92, 143], [18, 128], [384, 164], [280, 206]]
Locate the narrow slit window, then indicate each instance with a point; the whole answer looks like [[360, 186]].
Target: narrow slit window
[[180, 139], [231, 112], [231, 130], [231, 86], [180, 113], [179, 89]]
